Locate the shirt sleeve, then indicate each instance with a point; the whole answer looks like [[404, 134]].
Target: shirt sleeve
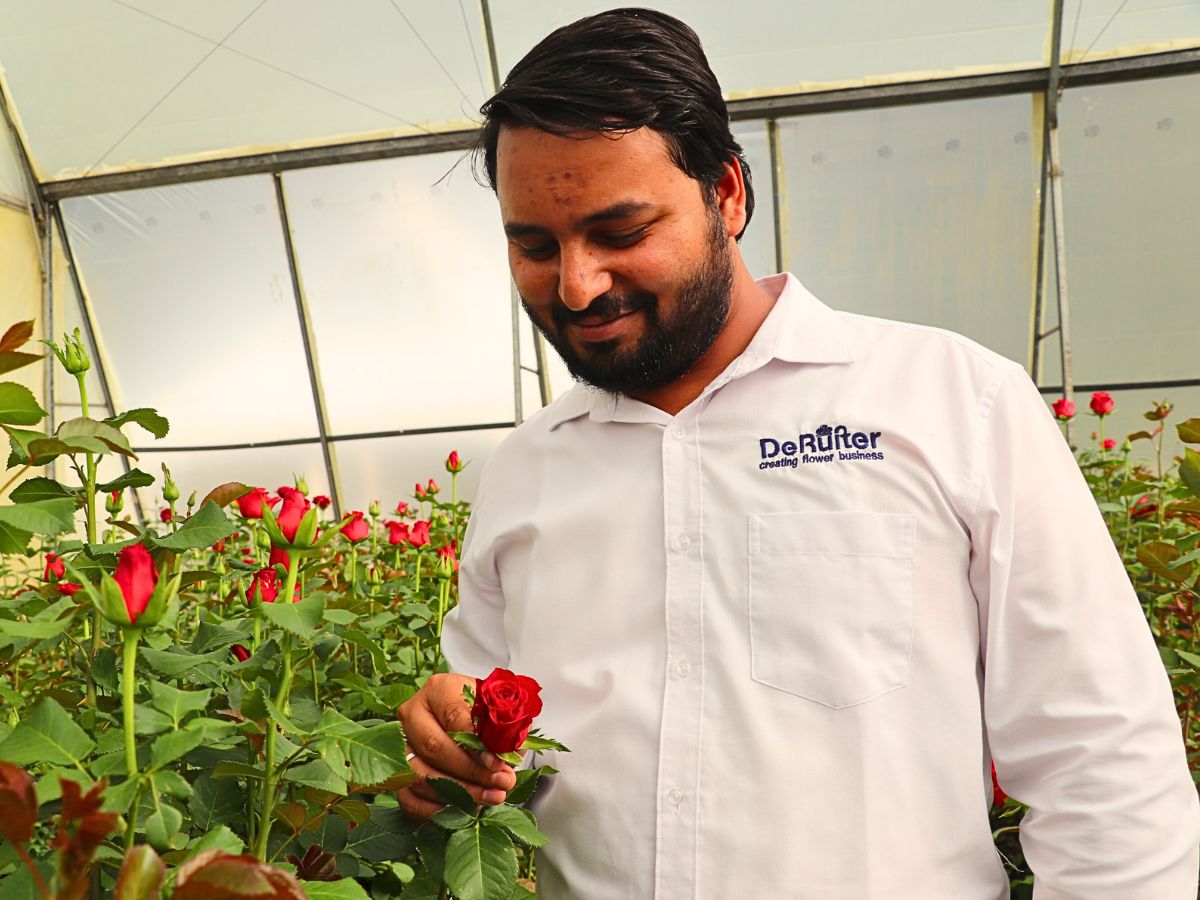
[[1078, 708], [473, 636]]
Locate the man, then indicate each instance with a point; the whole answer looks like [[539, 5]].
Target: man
[[791, 578]]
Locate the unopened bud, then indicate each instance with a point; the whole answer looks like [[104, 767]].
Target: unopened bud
[[301, 484], [170, 490], [262, 540], [114, 502], [373, 509], [375, 576], [191, 501]]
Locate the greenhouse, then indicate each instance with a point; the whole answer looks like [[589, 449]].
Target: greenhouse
[[260, 336]]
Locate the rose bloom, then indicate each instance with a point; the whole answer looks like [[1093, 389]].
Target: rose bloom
[[136, 576], [355, 527], [447, 552], [397, 532], [55, 569], [1142, 508], [1109, 443], [418, 535], [1063, 409], [240, 652], [219, 546], [295, 505], [321, 501], [69, 588], [401, 508], [250, 505], [279, 557], [264, 586], [1102, 403], [165, 515], [505, 707], [453, 463]]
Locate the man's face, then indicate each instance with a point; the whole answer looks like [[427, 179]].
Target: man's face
[[619, 259]]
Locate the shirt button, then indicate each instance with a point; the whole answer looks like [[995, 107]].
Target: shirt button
[[676, 797], [682, 668], [682, 542], [679, 431]]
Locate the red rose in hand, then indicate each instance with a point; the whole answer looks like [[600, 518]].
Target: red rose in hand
[[1063, 409], [321, 501], [250, 505], [418, 535], [355, 527], [55, 569], [397, 532], [136, 577], [295, 505], [504, 710], [264, 586], [1102, 403]]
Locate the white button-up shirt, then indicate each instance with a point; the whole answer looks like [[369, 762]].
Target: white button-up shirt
[[786, 631]]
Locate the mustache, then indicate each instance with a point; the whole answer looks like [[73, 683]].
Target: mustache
[[605, 306]]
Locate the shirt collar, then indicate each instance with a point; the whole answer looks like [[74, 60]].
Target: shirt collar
[[798, 329]]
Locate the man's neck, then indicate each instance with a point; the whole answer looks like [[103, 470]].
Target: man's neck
[[749, 306]]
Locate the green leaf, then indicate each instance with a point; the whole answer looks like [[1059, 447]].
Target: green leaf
[[84, 428], [18, 406], [46, 449], [300, 618], [142, 875], [40, 516], [1189, 470], [1157, 556], [47, 735], [537, 741], [452, 818], [1191, 659], [318, 774], [207, 526], [1189, 431], [219, 838], [176, 703], [162, 825], [467, 739], [453, 793], [11, 360], [376, 753], [340, 616], [481, 864], [519, 823], [343, 889], [176, 662], [147, 418], [34, 630], [378, 657], [134, 478], [173, 745], [228, 769], [40, 489], [215, 802], [13, 540]]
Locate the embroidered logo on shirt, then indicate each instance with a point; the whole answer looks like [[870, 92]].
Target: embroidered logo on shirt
[[826, 444]]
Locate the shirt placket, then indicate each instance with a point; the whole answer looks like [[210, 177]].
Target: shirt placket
[[679, 745]]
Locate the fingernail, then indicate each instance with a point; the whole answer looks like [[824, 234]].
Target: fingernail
[[505, 779], [487, 757], [493, 798]]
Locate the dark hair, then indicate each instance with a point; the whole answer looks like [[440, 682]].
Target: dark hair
[[617, 71]]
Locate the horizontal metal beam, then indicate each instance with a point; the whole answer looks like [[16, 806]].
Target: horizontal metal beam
[[359, 436], [1124, 385], [259, 164], [1130, 68]]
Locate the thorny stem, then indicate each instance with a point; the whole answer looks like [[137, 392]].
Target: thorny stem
[[130, 638]]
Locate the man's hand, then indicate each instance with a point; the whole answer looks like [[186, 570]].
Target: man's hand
[[428, 717]]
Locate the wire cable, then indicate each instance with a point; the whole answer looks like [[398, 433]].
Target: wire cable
[[483, 91], [429, 50]]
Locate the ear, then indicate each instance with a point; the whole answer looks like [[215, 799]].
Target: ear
[[731, 198]]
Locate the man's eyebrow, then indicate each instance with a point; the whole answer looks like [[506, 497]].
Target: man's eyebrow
[[623, 210]]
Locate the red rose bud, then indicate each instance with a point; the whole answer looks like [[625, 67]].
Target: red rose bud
[[419, 490], [418, 535], [504, 710], [114, 502], [431, 488], [165, 515], [397, 532], [136, 577], [354, 527], [250, 505], [219, 546], [373, 509], [454, 465], [447, 559], [1063, 409], [295, 505], [998, 795], [401, 508], [279, 557], [1102, 403], [1109, 443], [69, 588], [1142, 508], [301, 484], [321, 501], [248, 559], [240, 652], [264, 586], [54, 568]]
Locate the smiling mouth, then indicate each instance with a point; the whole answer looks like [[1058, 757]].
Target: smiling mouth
[[602, 330]]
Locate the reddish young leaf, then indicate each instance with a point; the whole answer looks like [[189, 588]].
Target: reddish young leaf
[[81, 829], [315, 865], [217, 875], [142, 875], [18, 804], [16, 335]]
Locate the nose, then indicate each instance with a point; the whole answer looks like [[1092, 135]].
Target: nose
[[582, 277]]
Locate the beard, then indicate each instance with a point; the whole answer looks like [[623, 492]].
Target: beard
[[672, 341]]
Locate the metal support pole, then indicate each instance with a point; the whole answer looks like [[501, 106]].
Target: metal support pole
[[310, 353], [87, 316], [1060, 254], [48, 319], [777, 194], [518, 392], [1037, 319]]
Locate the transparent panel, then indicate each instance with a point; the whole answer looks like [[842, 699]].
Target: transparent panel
[[405, 272], [68, 315], [21, 290], [1095, 28], [195, 310], [143, 80], [789, 44], [12, 185], [758, 240], [531, 394], [386, 469], [1051, 347], [1130, 187], [922, 213], [203, 470]]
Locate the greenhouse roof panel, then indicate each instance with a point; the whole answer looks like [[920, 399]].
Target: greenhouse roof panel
[[103, 85]]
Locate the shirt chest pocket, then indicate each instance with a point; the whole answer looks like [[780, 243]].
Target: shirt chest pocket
[[831, 603]]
